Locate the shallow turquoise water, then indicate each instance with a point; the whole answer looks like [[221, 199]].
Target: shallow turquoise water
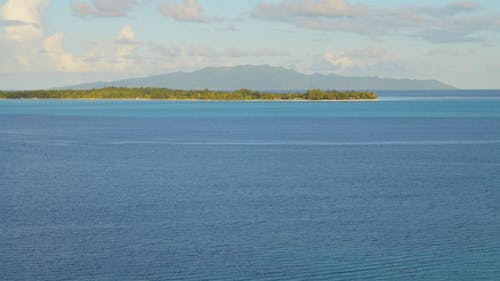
[[188, 109], [405, 188]]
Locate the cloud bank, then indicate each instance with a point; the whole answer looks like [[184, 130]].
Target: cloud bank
[[454, 22], [449, 37]]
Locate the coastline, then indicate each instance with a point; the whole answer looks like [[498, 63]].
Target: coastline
[[192, 100], [193, 95]]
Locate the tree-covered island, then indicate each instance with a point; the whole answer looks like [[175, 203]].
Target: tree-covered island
[[170, 94]]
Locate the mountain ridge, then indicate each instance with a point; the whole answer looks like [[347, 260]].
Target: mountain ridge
[[264, 77]]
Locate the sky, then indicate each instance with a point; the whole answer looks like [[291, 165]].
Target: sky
[[49, 43]]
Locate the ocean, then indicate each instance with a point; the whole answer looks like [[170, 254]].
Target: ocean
[[403, 188]]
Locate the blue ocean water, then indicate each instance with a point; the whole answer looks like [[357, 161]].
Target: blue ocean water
[[404, 188]]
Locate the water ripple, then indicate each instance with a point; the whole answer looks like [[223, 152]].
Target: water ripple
[[302, 143]]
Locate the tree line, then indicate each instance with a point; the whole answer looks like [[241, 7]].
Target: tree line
[[171, 94]]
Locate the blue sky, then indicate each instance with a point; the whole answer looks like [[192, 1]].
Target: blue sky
[[48, 43]]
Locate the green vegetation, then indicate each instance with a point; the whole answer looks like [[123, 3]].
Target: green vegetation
[[169, 94]]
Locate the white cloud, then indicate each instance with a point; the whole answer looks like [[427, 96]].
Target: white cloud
[[25, 48], [105, 8], [369, 61], [126, 45], [185, 10], [359, 58], [340, 60], [126, 36], [21, 18], [27, 11], [64, 61], [20, 42], [117, 56]]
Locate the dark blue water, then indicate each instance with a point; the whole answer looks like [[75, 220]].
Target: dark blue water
[[405, 188]]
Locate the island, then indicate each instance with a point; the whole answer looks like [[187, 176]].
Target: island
[[171, 94]]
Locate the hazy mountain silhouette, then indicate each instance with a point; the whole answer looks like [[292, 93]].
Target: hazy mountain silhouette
[[265, 77]]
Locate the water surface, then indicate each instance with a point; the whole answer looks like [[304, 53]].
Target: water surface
[[405, 188]]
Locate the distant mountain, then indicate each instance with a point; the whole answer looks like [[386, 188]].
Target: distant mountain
[[265, 78]]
